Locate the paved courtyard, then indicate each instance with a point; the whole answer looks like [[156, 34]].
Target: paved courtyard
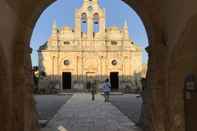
[[48, 105], [128, 104], [82, 114]]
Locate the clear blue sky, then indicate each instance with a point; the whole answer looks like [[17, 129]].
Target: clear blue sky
[[63, 12]]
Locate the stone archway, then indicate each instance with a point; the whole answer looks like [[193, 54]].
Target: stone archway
[[25, 21], [157, 120], [182, 63]]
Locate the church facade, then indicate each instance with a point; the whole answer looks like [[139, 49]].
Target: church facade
[[90, 51]]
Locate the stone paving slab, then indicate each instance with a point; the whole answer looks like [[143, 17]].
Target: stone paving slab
[[82, 114]]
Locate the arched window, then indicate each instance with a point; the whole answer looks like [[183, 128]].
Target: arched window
[[96, 22], [84, 22]]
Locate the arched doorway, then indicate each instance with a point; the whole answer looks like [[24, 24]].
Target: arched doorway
[[157, 46]]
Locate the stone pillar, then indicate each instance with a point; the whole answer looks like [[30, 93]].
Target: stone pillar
[[6, 101], [102, 24], [156, 98], [90, 28], [31, 115]]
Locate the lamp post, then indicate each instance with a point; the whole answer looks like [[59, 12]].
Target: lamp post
[[58, 55], [101, 68], [190, 90], [53, 72], [190, 86], [77, 68]]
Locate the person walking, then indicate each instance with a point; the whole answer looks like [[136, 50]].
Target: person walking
[[93, 89], [106, 89]]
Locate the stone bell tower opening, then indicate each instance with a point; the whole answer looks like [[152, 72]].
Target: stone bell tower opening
[[84, 25], [90, 19], [96, 22]]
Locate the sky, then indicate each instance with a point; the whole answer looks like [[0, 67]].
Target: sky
[[62, 11]]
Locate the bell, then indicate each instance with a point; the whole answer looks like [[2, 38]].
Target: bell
[[84, 18], [95, 22]]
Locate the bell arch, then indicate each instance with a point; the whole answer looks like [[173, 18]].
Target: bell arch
[[84, 22], [96, 21]]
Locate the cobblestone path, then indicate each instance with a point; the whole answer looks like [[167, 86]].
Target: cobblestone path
[[82, 114]]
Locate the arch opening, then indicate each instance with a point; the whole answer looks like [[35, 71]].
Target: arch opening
[[84, 23], [90, 69], [96, 22]]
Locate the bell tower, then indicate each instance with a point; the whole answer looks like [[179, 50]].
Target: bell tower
[[90, 16]]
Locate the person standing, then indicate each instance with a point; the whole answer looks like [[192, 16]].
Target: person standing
[[106, 89]]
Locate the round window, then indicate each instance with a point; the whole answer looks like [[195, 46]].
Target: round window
[[66, 62], [114, 62]]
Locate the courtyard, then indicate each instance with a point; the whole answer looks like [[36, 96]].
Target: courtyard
[[64, 111]]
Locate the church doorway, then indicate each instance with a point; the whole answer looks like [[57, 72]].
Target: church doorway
[[114, 79], [66, 80]]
